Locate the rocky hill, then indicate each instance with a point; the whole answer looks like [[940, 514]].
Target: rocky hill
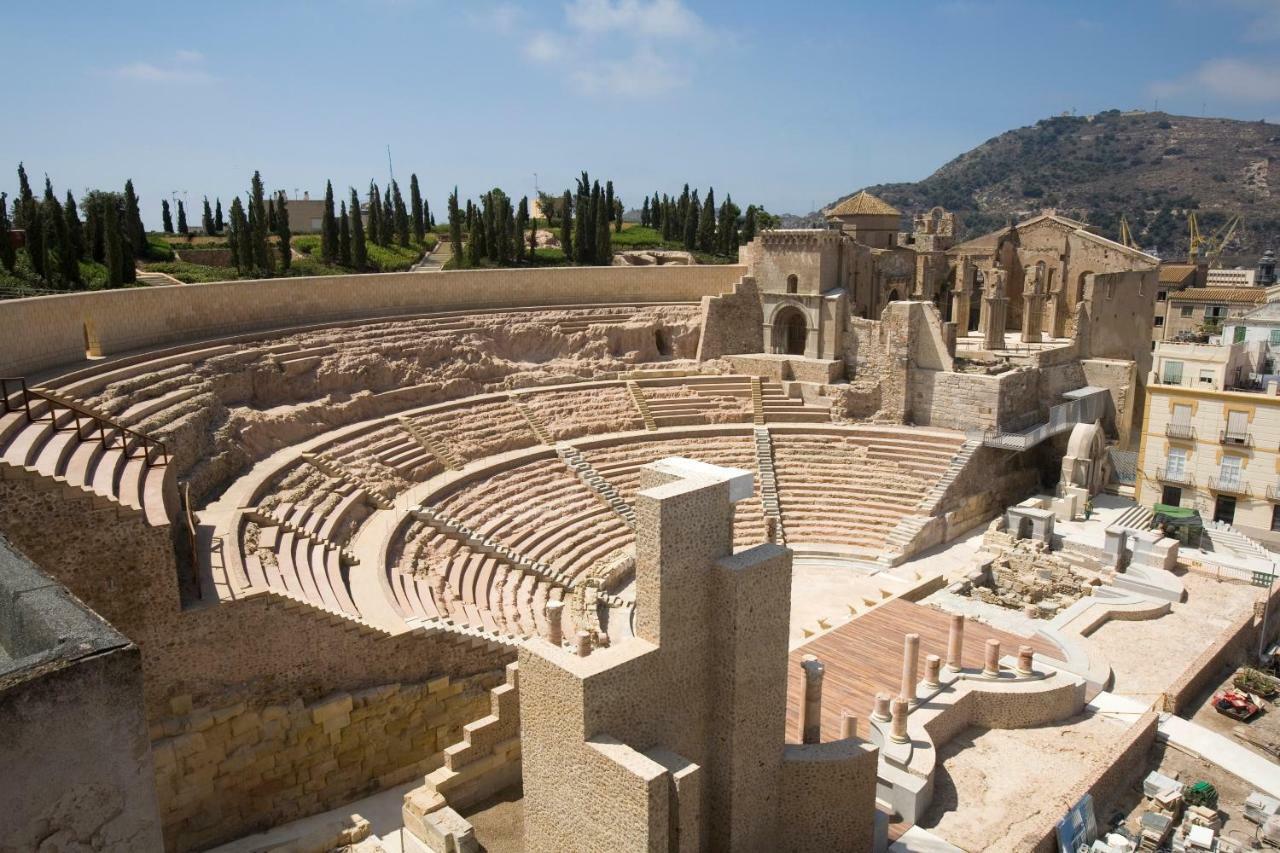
[[1151, 167]]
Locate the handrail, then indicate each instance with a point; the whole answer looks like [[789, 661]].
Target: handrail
[[189, 516], [101, 423]]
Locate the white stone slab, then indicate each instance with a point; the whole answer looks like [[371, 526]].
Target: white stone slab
[[741, 483]]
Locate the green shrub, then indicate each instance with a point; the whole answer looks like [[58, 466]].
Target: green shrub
[[194, 273], [158, 249], [307, 243]]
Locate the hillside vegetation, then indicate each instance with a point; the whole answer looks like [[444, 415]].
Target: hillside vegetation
[[1151, 167]]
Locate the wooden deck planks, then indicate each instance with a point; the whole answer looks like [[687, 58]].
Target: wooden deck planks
[[864, 657]]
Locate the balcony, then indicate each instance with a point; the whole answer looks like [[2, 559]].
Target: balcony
[[1180, 477], [1233, 485], [1235, 439], [1273, 493], [1183, 431]]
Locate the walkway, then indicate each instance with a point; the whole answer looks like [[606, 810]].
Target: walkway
[[435, 260], [1240, 761]]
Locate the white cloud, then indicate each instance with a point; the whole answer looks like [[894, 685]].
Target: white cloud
[[504, 18], [1232, 79], [656, 18], [184, 67], [643, 74], [544, 47]]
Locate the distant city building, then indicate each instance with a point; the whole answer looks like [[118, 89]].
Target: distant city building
[[1231, 278]]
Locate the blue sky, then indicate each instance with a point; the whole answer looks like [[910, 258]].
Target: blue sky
[[784, 104]]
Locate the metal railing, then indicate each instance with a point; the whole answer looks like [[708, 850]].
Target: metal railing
[[1180, 476], [130, 440], [1239, 439], [1273, 493], [1230, 485], [1185, 431]]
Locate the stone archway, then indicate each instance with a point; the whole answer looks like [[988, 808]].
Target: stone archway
[[790, 331]]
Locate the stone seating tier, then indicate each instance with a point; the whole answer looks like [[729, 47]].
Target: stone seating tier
[[310, 569], [484, 429], [571, 414]]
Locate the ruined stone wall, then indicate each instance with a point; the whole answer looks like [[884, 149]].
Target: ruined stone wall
[[732, 323], [232, 768], [1121, 379], [49, 331], [1008, 401], [823, 791]]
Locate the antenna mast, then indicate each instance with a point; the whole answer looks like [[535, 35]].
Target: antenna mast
[[390, 173]]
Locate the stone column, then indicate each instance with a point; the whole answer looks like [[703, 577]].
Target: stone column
[[811, 724], [881, 712], [1025, 657], [995, 311], [992, 667], [955, 643], [1032, 316], [583, 644], [555, 623], [933, 672], [848, 726], [910, 667], [898, 732], [960, 310]]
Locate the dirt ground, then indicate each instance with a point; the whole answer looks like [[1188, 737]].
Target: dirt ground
[[499, 822], [989, 782], [1189, 769], [1148, 656], [1264, 727]]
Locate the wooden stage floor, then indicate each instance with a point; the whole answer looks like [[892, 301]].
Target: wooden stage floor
[[863, 657]]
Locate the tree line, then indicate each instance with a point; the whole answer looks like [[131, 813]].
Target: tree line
[[700, 225], [57, 241]]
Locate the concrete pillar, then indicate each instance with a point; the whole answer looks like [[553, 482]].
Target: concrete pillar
[[898, 732], [1032, 310], [881, 712], [933, 672], [955, 643], [910, 667], [848, 726], [992, 667], [555, 623], [811, 723], [583, 644], [1025, 657]]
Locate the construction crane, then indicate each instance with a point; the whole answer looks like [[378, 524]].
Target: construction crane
[[1126, 235], [1209, 248]]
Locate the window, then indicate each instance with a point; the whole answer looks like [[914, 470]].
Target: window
[[1275, 337], [1215, 312], [1238, 334], [1172, 373], [1237, 431], [1186, 310], [793, 284], [1162, 295], [1182, 414], [1224, 509], [1159, 322], [1206, 377], [1229, 472], [1175, 464], [1171, 496], [1275, 518]]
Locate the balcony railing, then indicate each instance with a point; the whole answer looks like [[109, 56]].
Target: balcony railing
[[1273, 493], [1179, 476], [1238, 439], [1229, 485], [1183, 431]]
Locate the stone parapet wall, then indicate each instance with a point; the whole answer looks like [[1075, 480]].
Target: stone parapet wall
[[820, 789], [50, 331], [226, 770]]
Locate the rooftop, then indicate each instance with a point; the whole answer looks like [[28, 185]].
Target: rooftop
[[1244, 295], [863, 204]]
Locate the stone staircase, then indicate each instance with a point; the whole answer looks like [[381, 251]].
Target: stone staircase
[[573, 458], [642, 405], [903, 536], [1136, 517], [451, 526], [933, 498], [1224, 537], [768, 481], [152, 278], [268, 518], [433, 445], [757, 402], [777, 407], [334, 469], [535, 423]]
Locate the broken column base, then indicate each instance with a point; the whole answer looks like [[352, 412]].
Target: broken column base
[[432, 827]]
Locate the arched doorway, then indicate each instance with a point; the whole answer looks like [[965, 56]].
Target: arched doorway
[[790, 331], [893, 296]]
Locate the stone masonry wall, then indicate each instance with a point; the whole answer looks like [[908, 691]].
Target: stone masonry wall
[[732, 323], [230, 769]]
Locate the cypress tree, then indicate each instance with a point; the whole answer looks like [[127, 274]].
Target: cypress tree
[[134, 231], [235, 235], [604, 246], [95, 234], [490, 228], [166, 220], [283, 234], [426, 215], [271, 215], [655, 211], [250, 238], [617, 216], [668, 221], [475, 247], [707, 223], [566, 225], [749, 225], [182, 219], [57, 241], [691, 223], [75, 230], [682, 212], [328, 227], [522, 222], [509, 239], [8, 254], [359, 251], [591, 256], [480, 236], [24, 207], [218, 223], [113, 254], [388, 219], [644, 213], [471, 216], [260, 226], [402, 215], [608, 198], [417, 210], [582, 209], [344, 238], [455, 229], [33, 224], [533, 239], [375, 214], [206, 218], [128, 259]]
